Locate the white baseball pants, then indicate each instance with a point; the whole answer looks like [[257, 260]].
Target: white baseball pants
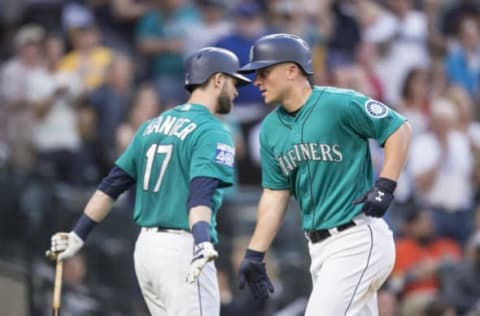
[[349, 267], [162, 260]]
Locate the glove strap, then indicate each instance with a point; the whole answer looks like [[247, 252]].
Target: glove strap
[[254, 255], [386, 185]]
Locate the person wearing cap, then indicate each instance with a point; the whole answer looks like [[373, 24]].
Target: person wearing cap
[[161, 36], [88, 58], [249, 25], [212, 26], [314, 146], [14, 77], [179, 162]]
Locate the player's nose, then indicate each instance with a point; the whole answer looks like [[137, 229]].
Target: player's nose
[[258, 81]]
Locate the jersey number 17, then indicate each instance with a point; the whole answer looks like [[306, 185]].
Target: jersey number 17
[[151, 154]]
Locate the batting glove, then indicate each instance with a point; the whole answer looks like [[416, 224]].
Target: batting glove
[[252, 272], [203, 254], [66, 245], [378, 199]]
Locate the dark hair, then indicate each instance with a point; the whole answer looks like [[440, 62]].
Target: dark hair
[[407, 82]]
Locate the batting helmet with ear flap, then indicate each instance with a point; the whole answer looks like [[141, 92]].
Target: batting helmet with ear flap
[[208, 61], [279, 48]]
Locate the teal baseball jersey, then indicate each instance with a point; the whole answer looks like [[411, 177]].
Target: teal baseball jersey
[[167, 153], [322, 154]]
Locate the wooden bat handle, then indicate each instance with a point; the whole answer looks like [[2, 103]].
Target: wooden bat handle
[[57, 289]]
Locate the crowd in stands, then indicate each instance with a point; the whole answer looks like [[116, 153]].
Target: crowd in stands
[[78, 77]]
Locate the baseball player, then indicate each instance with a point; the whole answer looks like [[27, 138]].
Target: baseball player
[[179, 162], [314, 146]]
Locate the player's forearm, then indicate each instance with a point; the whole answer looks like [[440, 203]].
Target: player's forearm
[[396, 151], [271, 211], [99, 206], [199, 213]]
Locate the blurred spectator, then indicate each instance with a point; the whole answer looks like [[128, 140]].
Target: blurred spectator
[[353, 77], [14, 77], [117, 19], [249, 26], [345, 35], [212, 26], [249, 108], [77, 297], [456, 12], [161, 36], [295, 17], [52, 97], [438, 307], [437, 77], [366, 55], [415, 103], [87, 127], [466, 120], [47, 13], [462, 286], [377, 24], [88, 58], [406, 49], [110, 102], [463, 62], [146, 105], [421, 259], [441, 163]]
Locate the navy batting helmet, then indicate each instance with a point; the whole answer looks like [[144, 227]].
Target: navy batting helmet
[[279, 48], [209, 60]]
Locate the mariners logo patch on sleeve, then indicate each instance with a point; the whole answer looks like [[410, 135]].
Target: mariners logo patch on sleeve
[[225, 155], [376, 109]]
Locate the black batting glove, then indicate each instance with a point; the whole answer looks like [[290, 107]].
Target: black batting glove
[[378, 199], [252, 272]]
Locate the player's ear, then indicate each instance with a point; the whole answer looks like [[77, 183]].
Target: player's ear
[[218, 80], [292, 71]]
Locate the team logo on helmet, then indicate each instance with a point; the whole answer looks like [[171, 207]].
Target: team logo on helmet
[[376, 109]]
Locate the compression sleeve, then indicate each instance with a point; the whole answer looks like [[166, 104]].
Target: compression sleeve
[[117, 182], [201, 191]]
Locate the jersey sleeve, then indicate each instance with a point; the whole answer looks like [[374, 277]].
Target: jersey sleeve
[[128, 159], [214, 157], [372, 119], [272, 176]]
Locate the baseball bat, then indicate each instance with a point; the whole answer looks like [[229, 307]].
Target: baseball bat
[[57, 288]]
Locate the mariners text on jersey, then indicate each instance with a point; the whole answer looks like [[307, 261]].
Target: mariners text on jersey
[[170, 125], [310, 151]]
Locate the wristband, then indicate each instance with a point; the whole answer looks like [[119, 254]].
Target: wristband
[[386, 184], [84, 226], [254, 255], [201, 232]]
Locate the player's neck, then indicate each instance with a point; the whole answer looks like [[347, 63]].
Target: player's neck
[[297, 97], [199, 97]]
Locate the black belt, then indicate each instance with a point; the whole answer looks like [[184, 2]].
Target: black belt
[[319, 235], [164, 229]]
